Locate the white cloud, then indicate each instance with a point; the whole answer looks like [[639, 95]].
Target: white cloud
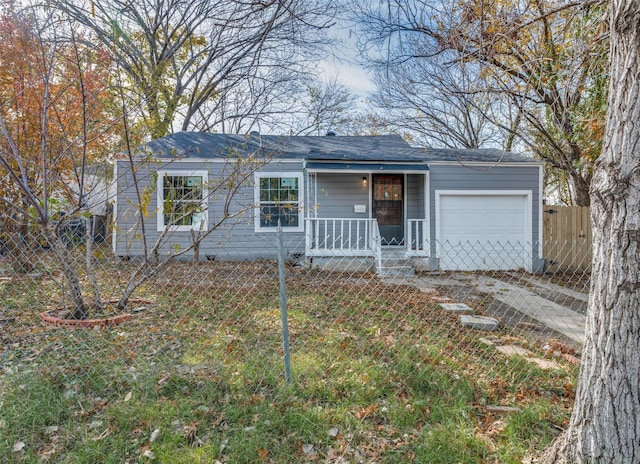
[[344, 65], [351, 75]]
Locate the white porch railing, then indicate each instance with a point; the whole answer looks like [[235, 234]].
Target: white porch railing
[[360, 237], [342, 237], [417, 237]]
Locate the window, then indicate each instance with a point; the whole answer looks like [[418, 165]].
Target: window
[[279, 199], [182, 200]]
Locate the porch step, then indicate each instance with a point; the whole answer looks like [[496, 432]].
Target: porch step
[[395, 263], [396, 271]]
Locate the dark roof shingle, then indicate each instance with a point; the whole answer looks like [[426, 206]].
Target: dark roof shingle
[[367, 148]]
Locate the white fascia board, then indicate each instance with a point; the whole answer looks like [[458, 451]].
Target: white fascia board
[[114, 211], [367, 171], [540, 210]]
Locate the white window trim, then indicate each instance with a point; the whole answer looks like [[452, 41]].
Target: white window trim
[[160, 196], [256, 196]]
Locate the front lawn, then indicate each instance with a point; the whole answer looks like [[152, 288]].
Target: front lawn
[[379, 374]]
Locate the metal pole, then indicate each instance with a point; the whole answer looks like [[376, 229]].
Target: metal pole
[[283, 306]]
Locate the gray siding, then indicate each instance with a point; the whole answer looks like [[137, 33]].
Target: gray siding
[[331, 195], [337, 193], [415, 196], [235, 239], [459, 177]]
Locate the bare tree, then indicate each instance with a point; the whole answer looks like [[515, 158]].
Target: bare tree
[[258, 102], [54, 124], [546, 59], [325, 106], [180, 57], [233, 176], [442, 101]]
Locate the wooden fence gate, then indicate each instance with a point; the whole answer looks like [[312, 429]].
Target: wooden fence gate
[[567, 238]]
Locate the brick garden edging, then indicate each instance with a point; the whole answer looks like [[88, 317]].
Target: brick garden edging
[[48, 317]]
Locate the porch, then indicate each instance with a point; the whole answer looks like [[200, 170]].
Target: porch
[[361, 238], [373, 213]]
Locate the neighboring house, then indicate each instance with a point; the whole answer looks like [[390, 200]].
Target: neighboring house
[[335, 197], [74, 208]]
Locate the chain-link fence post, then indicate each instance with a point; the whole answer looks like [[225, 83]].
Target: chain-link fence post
[[283, 306]]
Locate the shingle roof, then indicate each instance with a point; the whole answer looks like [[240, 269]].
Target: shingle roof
[[488, 155], [379, 148]]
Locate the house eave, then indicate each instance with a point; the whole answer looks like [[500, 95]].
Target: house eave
[[463, 163], [364, 167]]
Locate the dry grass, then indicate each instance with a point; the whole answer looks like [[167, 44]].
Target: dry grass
[[380, 373]]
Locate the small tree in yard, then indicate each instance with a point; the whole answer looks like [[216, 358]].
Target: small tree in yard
[[53, 118], [182, 205], [605, 424], [57, 118]]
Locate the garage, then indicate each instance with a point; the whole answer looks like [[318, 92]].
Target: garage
[[483, 230]]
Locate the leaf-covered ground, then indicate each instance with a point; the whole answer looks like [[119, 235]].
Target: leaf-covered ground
[[379, 374]]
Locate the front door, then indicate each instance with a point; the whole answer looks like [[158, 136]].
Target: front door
[[388, 207]]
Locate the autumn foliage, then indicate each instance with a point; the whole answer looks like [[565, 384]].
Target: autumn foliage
[[54, 106]]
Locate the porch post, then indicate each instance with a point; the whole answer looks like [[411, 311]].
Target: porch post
[[426, 239]]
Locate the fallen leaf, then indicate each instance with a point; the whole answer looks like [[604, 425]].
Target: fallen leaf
[[365, 412], [128, 397], [47, 453], [190, 432], [263, 454], [18, 447], [154, 435], [219, 421], [562, 348], [51, 429], [571, 358]]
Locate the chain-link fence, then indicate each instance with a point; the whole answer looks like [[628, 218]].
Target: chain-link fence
[[412, 365]]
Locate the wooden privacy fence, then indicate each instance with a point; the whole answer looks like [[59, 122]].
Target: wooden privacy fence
[[567, 238]]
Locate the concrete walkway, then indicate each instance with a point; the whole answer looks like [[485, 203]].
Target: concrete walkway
[[553, 315], [556, 317]]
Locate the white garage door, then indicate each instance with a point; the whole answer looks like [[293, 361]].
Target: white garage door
[[482, 231]]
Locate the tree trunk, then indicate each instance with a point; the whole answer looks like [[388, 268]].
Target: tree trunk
[[605, 424], [69, 271], [145, 271], [195, 243], [578, 189], [89, 224], [19, 252]]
